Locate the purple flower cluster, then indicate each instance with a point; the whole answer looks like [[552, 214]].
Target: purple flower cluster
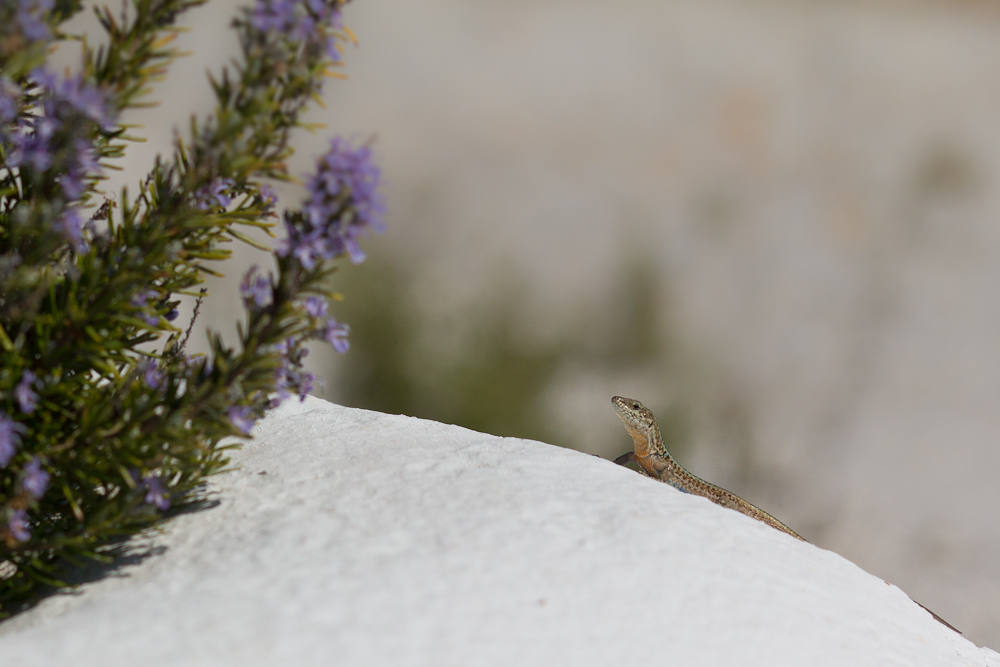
[[79, 96], [256, 289], [241, 417], [35, 480], [336, 334], [18, 526], [55, 144], [10, 97], [268, 197], [302, 21], [26, 19], [315, 306], [26, 398], [291, 377], [151, 374], [156, 493], [10, 438], [56, 140], [215, 195], [332, 331], [344, 203], [294, 378], [141, 302], [71, 227]]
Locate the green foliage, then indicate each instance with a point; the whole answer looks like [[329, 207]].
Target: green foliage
[[105, 421], [491, 374]]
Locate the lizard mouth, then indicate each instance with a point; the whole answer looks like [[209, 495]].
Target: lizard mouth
[[623, 404], [629, 415]]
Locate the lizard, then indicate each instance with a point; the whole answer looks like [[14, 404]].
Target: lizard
[[655, 461]]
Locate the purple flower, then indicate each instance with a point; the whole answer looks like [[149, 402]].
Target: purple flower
[[336, 334], [215, 194], [10, 95], [140, 301], [256, 289], [274, 15], [77, 94], [156, 493], [316, 306], [351, 172], [241, 417], [35, 479], [59, 132], [305, 381], [28, 19], [267, 195], [74, 231], [171, 315], [292, 378], [305, 21], [140, 298], [33, 149], [81, 163], [87, 100], [26, 398], [308, 247], [344, 203], [18, 525], [284, 347], [54, 142], [10, 438], [151, 374]]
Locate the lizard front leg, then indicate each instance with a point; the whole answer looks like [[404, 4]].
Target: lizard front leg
[[629, 457]]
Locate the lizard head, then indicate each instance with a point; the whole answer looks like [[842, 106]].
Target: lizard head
[[641, 425], [629, 409], [633, 414]]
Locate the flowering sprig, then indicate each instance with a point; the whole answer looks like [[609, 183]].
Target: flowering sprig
[[24, 29], [312, 23], [344, 204], [51, 160], [106, 422]]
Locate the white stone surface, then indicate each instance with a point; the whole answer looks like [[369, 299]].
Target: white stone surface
[[816, 183], [389, 540]]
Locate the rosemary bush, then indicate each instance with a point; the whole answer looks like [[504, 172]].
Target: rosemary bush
[[106, 422]]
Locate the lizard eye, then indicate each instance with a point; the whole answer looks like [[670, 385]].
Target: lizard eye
[[635, 405]]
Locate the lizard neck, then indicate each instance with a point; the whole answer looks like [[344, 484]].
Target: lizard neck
[[650, 452]]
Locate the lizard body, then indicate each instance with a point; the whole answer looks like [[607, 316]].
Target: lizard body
[[652, 456], [654, 459]]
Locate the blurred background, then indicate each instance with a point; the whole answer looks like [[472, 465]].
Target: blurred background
[[776, 223]]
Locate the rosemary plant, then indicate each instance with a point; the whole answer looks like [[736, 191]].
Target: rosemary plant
[[105, 421]]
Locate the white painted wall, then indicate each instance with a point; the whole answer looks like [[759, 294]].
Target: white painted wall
[[346, 537], [776, 160]]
